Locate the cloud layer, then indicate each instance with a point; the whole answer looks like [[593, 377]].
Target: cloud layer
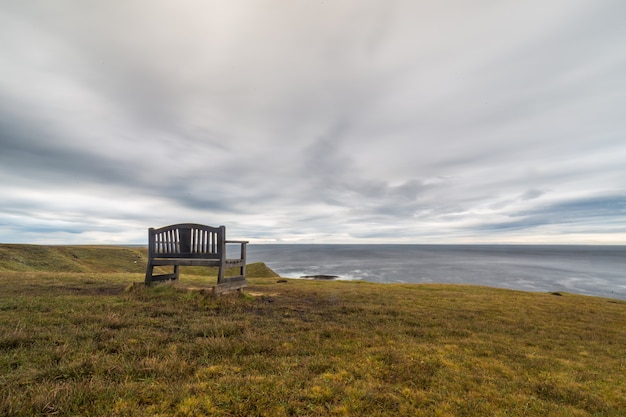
[[300, 121]]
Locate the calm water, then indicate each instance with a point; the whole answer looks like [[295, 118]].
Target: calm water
[[591, 270]]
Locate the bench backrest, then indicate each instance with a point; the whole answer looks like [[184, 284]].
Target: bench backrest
[[187, 240]]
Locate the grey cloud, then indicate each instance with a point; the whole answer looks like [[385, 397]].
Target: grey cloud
[[580, 211], [532, 194], [333, 178], [605, 207], [31, 152]]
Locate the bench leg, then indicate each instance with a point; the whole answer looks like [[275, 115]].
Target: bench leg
[[176, 272], [149, 271], [220, 274]]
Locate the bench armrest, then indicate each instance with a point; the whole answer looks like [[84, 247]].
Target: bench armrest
[[243, 247]]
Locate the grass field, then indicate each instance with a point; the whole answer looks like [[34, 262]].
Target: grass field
[[81, 339]]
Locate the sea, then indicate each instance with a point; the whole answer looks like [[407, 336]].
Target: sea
[[589, 270]]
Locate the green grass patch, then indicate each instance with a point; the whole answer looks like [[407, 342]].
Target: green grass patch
[[40, 258], [98, 259]]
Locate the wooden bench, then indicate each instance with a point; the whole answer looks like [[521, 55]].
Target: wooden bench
[[189, 244]]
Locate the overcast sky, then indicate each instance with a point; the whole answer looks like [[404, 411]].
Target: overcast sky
[[314, 121]]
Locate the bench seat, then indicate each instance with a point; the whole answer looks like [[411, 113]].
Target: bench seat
[[230, 263]]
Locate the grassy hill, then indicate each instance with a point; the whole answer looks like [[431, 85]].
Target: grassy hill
[[100, 259], [90, 343]]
